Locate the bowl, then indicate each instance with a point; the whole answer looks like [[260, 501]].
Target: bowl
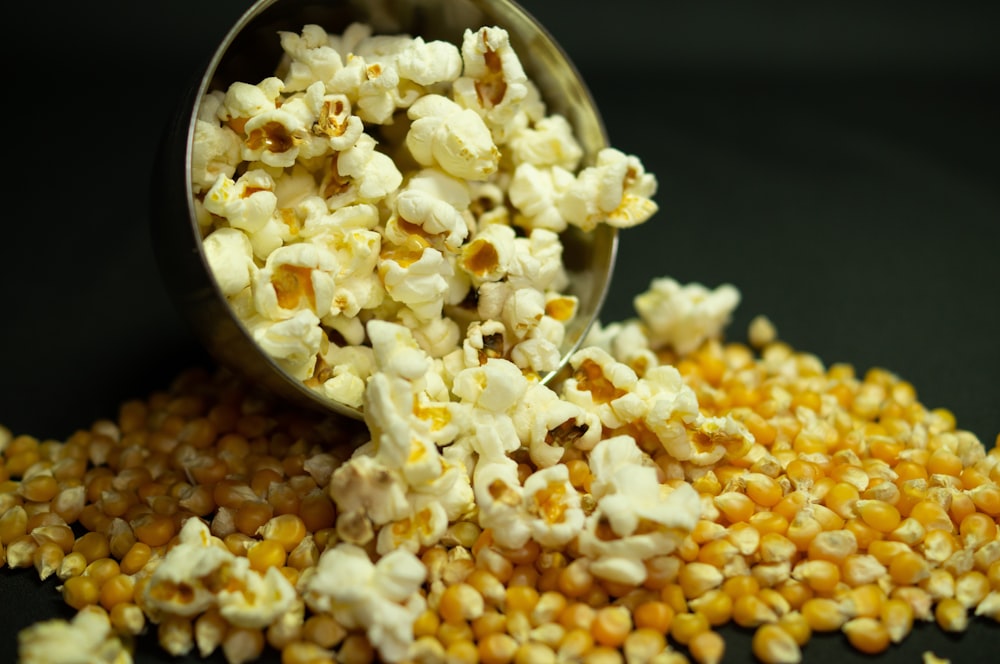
[[249, 52]]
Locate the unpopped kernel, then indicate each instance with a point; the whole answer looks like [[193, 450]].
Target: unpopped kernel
[[625, 511], [388, 177]]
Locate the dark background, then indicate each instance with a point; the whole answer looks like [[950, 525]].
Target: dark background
[[835, 161]]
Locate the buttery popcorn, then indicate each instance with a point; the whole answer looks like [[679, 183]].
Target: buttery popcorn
[[387, 177]]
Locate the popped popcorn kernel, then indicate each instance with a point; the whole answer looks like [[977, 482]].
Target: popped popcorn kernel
[[388, 177]]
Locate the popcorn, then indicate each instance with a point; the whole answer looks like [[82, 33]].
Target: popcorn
[[363, 180], [295, 277], [616, 190], [87, 637], [456, 140], [230, 257], [684, 316], [493, 82], [380, 597]]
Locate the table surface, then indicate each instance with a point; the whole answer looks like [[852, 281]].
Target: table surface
[[836, 162]]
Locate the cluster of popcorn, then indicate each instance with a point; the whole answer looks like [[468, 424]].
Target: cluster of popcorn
[[624, 514], [392, 178]]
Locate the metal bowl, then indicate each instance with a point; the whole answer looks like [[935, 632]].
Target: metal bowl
[[250, 51]]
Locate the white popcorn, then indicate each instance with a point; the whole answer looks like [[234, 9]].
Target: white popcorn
[[274, 137], [311, 58], [456, 140], [366, 174], [636, 517], [244, 101], [217, 155], [295, 277], [493, 82], [537, 262], [500, 498], [247, 203], [380, 598], [547, 425], [199, 572], [293, 342], [601, 385], [423, 528], [230, 257], [432, 204], [182, 583], [429, 63], [253, 600], [334, 119], [85, 639], [417, 278], [549, 142], [495, 387], [685, 316], [371, 174], [488, 256], [616, 190], [553, 505], [536, 192], [362, 485]]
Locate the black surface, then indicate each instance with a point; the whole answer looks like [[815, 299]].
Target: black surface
[[837, 162]]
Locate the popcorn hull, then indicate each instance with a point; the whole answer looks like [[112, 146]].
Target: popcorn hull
[[250, 51]]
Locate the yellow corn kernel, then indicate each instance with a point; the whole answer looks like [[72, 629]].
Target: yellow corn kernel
[[881, 516], [735, 506], [116, 590], [697, 578], [461, 602], [908, 568], [971, 588], [242, 644], [39, 488], [154, 529], [93, 546], [897, 616], [707, 647], [773, 645], [864, 601], [797, 627], [47, 558], [820, 575], [127, 618], [287, 529], [497, 649], [715, 605], [80, 591], [266, 553], [833, 546], [823, 614], [867, 635], [576, 644], [951, 615], [751, 611], [611, 625]]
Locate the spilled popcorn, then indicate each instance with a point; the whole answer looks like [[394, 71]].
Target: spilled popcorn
[[379, 177], [624, 514]]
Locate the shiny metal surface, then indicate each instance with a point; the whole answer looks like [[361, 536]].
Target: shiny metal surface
[[250, 52]]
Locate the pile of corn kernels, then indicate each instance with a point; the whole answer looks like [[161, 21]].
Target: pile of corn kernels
[[822, 501]]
